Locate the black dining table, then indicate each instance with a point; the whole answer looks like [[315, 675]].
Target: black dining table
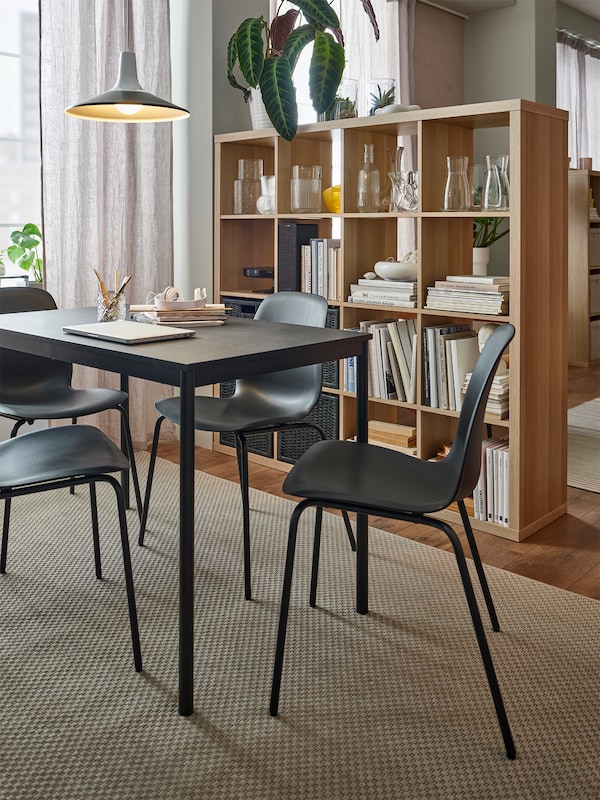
[[238, 349]]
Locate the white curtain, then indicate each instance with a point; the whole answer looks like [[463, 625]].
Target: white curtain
[[578, 91], [106, 188]]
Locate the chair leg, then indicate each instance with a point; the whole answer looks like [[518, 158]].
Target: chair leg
[[5, 535], [72, 488], [134, 474], [349, 531], [95, 531], [478, 566], [133, 620], [151, 465], [17, 425], [314, 575], [285, 606], [486, 656], [241, 447]]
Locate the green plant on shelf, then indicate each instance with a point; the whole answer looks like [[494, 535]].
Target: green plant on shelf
[[485, 231], [381, 99]]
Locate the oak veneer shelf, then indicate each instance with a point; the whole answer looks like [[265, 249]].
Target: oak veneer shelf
[[584, 269], [537, 146]]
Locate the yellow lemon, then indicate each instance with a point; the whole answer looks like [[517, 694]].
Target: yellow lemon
[[331, 196]]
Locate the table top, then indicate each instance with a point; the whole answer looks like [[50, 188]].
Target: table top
[[239, 348]]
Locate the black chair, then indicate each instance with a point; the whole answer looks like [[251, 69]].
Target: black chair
[[33, 387], [57, 458], [264, 404], [374, 480]]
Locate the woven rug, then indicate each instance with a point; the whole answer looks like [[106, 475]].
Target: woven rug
[[393, 704], [583, 466]]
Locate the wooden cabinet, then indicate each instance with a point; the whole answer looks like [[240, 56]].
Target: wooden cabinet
[[536, 139], [584, 267]]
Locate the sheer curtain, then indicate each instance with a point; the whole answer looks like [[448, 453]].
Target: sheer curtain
[[106, 188], [578, 91]]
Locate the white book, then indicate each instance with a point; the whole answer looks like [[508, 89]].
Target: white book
[[402, 354], [478, 278], [398, 380], [464, 355]]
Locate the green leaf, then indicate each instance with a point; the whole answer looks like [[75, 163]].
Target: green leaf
[[279, 96], [14, 252], [251, 49], [296, 43], [320, 11], [32, 230], [325, 72]]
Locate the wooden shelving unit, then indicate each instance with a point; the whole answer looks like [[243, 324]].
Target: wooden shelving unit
[[584, 269], [537, 146]]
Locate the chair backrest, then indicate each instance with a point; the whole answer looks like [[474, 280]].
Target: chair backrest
[[296, 390], [465, 456], [20, 373]]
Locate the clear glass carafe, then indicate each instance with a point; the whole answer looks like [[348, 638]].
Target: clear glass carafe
[[457, 196], [394, 156], [368, 199], [496, 186]]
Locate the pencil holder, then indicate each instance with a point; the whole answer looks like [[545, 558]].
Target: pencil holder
[[111, 306]]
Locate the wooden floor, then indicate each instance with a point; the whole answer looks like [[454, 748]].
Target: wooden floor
[[565, 553]]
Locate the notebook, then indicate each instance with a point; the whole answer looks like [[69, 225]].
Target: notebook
[[128, 332]]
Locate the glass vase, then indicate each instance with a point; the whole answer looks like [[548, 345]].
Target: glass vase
[[457, 196]]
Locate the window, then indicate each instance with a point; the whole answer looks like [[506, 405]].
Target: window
[[20, 183]]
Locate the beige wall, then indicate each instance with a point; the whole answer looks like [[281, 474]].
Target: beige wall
[[439, 57]]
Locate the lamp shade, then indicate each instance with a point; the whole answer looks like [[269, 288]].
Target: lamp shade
[[127, 101]]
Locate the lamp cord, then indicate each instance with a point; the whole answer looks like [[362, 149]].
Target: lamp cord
[[126, 14]]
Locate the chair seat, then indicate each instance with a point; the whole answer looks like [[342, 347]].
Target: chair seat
[[351, 472], [59, 402], [44, 456], [242, 411]]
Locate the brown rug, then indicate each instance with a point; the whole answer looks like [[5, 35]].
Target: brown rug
[[391, 705]]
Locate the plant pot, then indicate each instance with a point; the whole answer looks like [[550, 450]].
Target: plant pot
[[481, 258], [258, 112]]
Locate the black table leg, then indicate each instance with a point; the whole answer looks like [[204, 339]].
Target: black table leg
[[186, 547], [125, 473], [362, 520]]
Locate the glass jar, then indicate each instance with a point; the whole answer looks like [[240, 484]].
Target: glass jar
[[457, 196], [496, 187], [368, 196], [247, 188]]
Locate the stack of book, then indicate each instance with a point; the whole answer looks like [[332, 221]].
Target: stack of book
[[491, 494], [449, 352], [497, 404], [375, 291], [471, 294], [393, 436], [210, 314]]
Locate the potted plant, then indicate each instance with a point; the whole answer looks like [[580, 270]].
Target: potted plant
[[485, 233], [24, 250], [267, 56]]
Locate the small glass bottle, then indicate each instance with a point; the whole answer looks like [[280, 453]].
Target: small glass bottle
[[368, 200]]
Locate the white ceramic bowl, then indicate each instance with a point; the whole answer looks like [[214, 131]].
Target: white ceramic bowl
[[396, 270]]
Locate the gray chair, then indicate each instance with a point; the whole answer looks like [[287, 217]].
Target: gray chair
[[63, 457], [36, 388], [374, 480], [275, 402]]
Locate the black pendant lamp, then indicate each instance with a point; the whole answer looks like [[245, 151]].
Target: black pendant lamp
[[127, 101]]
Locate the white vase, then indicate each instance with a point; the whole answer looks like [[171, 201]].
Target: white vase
[[481, 257], [258, 112]]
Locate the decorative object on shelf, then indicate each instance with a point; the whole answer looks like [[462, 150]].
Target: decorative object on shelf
[[392, 270], [381, 93], [266, 202], [496, 186], [127, 101], [485, 233], [456, 194], [368, 199], [332, 197], [405, 191], [267, 56], [394, 161], [344, 105], [305, 189], [247, 187], [112, 305], [476, 180], [258, 113], [24, 251], [394, 108]]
